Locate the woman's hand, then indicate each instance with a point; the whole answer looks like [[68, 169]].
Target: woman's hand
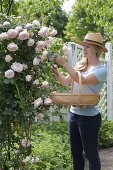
[[60, 61], [54, 70]]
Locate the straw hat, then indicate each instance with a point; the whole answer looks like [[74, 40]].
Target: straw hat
[[93, 38]]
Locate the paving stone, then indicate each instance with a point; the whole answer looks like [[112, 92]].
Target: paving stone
[[106, 157]]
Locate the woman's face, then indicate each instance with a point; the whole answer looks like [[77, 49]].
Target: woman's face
[[89, 50]]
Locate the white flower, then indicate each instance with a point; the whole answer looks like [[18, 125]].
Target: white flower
[[12, 47], [40, 44], [49, 41], [30, 42], [27, 159], [4, 36], [37, 23], [18, 29], [25, 143], [43, 31], [28, 78], [28, 26], [53, 33], [6, 24], [47, 102], [9, 74], [45, 84], [35, 160], [24, 35], [25, 66], [12, 33], [39, 116], [8, 58], [36, 82], [16, 151], [38, 102], [18, 67], [66, 50], [45, 53], [36, 61]]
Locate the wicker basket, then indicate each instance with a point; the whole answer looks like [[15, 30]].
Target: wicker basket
[[75, 99]]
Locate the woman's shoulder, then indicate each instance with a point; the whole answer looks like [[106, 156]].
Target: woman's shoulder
[[100, 68], [100, 72]]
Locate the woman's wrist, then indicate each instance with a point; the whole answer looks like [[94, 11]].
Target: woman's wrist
[[65, 64]]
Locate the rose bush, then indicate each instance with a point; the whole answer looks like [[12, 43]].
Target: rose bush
[[26, 53]]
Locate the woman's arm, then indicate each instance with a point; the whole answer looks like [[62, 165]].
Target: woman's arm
[[89, 80], [61, 78]]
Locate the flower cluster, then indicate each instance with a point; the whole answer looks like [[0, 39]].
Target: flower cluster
[[39, 42], [25, 79]]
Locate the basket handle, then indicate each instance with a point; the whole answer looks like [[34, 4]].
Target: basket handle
[[80, 86]]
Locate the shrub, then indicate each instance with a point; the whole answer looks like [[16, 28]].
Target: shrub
[[27, 52], [51, 145], [106, 134]]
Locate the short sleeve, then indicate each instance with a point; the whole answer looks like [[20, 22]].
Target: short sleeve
[[100, 73]]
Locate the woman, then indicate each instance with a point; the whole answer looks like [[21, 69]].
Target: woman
[[84, 123]]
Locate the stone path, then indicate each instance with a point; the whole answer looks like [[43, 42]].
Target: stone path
[[106, 156]]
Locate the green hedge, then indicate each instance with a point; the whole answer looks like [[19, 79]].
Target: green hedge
[[106, 134]]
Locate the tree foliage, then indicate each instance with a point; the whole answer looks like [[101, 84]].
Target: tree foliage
[[90, 15]]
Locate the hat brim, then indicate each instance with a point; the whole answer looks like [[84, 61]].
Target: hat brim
[[82, 43]]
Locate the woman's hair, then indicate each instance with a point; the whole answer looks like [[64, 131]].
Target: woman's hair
[[82, 64], [99, 50]]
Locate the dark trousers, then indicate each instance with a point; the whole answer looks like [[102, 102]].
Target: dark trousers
[[83, 132]]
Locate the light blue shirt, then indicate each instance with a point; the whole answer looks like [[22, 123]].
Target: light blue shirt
[[101, 74]]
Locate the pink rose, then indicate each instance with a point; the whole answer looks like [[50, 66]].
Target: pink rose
[[28, 26], [40, 44], [12, 47], [18, 29], [36, 82], [43, 32], [37, 102], [53, 33], [36, 61], [28, 78], [49, 41], [24, 35], [36, 23], [8, 58], [45, 53], [45, 84], [4, 36], [12, 33], [9, 74], [6, 24], [66, 50], [30, 42], [47, 102], [18, 67], [25, 142]]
